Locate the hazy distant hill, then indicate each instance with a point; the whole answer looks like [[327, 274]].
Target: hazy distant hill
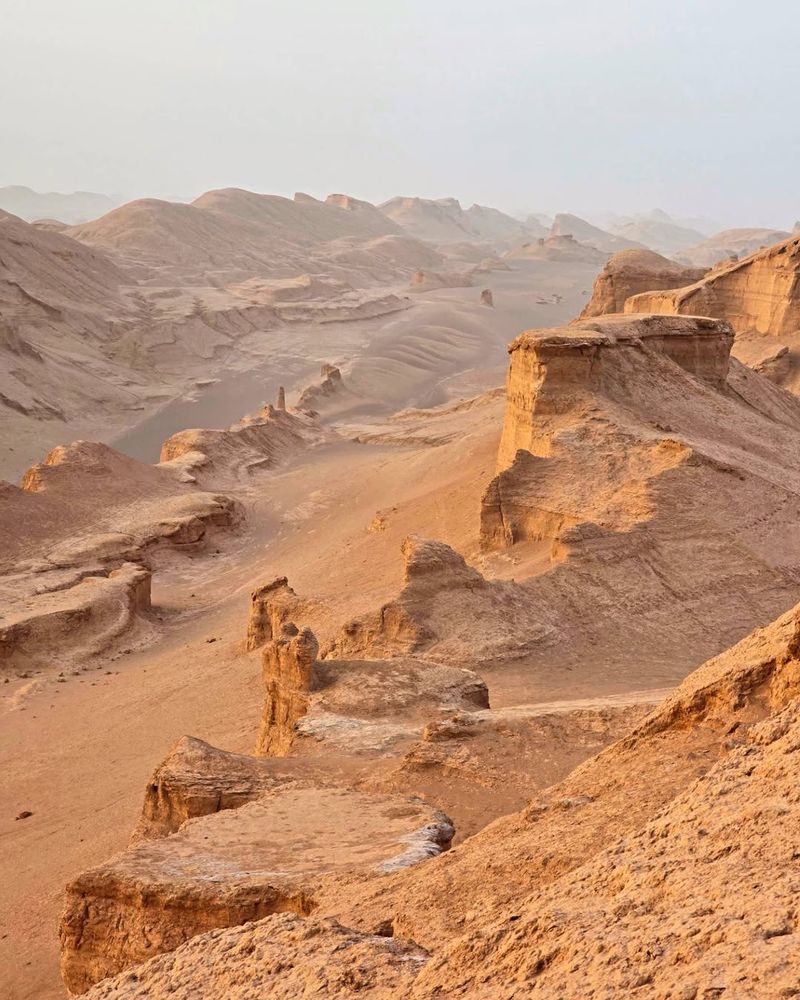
[[80, 206], [444, 221]]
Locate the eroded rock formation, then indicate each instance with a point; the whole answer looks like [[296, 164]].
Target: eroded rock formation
[[296, 957], [289, 675], [220, 870], [554, 371], [84, 531], [252, 445], [271, 607], [197, 779], [400, 626], [760, 293], [632, 271]]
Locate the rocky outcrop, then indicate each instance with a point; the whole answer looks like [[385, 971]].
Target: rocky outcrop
[[632, 271], [487, 299], [759, 294], [288, 671], [252, 445], [400, 627], [197, 779], [730, 244], [271, 607], [221, 870], [84, 532], [295, 958], [559, 247], [551, 371], [353, 703], [331, 385], [84, 614]]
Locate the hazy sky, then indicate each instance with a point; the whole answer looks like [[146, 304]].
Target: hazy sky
[[689, 105]]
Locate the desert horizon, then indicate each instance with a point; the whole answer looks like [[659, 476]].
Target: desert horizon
[[399, 536]]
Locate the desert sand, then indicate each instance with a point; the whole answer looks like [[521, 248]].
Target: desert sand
[[390, 614]]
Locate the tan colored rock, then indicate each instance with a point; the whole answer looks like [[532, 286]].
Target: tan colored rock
[[288, 671], [281, 958], [559, 247], [197, 779], [357, 704], [271, 855], [729, 244], [487, 299], [760, 293], [82, 616], [252, 445], [400, 626], [281, 404], [552, 369], [271, 607], [630, 272]]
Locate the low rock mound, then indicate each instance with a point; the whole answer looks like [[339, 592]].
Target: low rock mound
[[728, 244], [221, 870], [364, 704], [559, 247], [253, 444], [632, 271], [85, 529], [197, 779]]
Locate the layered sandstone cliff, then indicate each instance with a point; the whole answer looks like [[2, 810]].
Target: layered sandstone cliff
[[554, 371], [760, 293]]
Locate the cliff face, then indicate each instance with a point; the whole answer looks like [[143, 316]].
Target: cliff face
[[553, 371], [632, 271], [761, 293]]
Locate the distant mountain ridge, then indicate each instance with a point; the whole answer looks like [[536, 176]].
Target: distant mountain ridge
[[74, 208]]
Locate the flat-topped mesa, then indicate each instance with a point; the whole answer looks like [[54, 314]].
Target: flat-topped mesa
[[760, 293], [632, 271], [555, 371], [287, 669]]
